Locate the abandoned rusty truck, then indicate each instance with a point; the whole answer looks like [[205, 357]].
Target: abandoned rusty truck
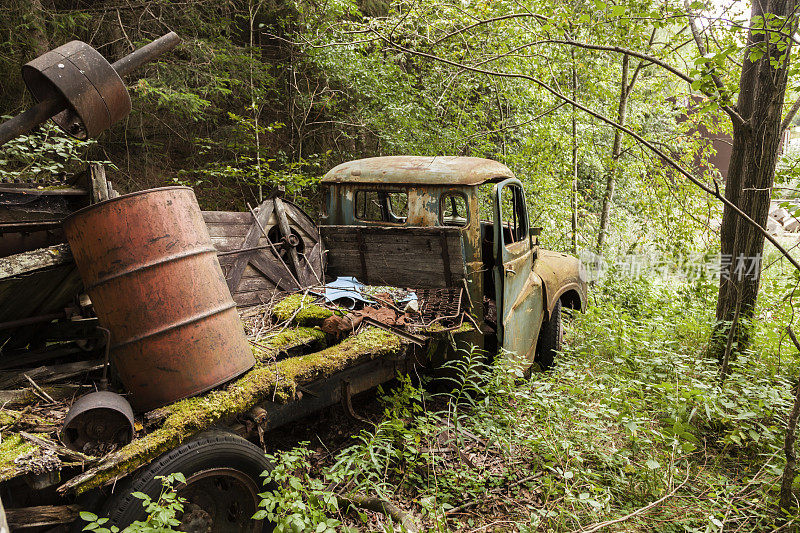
[[219, 326], [140, 336]]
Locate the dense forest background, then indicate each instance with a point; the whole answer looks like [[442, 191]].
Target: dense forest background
[[636, 428], [276, 93]]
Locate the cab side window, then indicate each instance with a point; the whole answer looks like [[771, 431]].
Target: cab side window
[[453, 210], [513, 214], [381, 206]]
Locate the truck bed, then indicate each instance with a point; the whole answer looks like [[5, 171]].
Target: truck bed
[[296, 373]]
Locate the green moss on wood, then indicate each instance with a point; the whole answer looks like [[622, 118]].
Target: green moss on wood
[[12, 447], [267, 381], [301, 310], [294, 337], [287, 340]]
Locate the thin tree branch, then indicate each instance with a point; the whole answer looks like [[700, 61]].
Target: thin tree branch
[[512, 126], [787, 120], [732, 113], [489, 21], [670, 494], [671, 162], [700, 46]]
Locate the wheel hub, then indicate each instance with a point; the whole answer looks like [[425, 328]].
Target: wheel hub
[[219, 500]]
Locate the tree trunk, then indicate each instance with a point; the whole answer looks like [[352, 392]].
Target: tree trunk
[[616, 150], [751, 173], [785, 502], [574, 158]]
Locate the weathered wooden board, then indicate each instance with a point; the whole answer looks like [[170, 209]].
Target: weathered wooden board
[[44, 515], [255, 276], [403, 257], [35, 283]]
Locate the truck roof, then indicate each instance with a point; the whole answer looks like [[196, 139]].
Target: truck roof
[[419, 170]]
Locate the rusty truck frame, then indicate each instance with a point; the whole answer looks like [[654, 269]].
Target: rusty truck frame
[[441, 226]]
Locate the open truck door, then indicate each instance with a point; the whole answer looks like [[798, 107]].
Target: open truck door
[[519, 292]]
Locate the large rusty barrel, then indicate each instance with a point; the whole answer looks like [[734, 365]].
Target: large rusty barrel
[[147, 262]]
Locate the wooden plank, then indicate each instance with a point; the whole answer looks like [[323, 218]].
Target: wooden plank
[[255, 284], [406, 241], [399, 275], [312, 263], [252, 238], [247, 299], [418, 257], [227, 217], [373, 260], [433, 231], [29, 296], [48, 374], [33, 192], [42, 515], [97, 178], [281, 277], [227, 230], [299, 219], [14, 265], [63, 294], [387, 249], [26, 396]]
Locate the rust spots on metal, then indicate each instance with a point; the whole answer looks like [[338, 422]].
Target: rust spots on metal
[[78, 74], [155, 282], [440, 170]]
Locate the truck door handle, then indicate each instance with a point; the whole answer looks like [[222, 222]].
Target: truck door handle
[[511, 270]]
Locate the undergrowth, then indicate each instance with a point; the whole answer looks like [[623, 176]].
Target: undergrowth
[[633, 430], [632, 414]]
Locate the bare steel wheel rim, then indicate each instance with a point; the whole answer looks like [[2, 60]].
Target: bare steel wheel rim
[[219, 500]]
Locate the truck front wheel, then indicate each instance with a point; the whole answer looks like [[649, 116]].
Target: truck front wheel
[[223, 480], [550, 337]]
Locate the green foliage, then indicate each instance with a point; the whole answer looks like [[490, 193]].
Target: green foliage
[[45, 155], [294, 500], [161, 512], [631, 413]]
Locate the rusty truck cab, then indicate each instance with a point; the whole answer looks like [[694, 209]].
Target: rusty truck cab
[[416, 222]]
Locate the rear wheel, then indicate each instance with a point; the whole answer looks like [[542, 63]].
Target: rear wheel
[[223, 480], [550, 338]]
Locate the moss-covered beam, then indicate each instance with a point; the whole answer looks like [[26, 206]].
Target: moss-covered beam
[[267, 381], [301, 310], [287, 341], [12, 448]]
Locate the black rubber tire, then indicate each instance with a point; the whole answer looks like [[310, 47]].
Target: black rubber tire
[[550, 338], [211, 449]]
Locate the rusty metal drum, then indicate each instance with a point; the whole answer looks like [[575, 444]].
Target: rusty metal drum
[[147, 262]]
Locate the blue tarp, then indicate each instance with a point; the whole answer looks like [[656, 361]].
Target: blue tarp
[[347, 292]]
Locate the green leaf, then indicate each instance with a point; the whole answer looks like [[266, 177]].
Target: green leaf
[[89, 517], [617, 11], [652, 464]]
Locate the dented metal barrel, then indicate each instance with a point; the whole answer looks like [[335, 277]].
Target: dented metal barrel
[[148, 264]]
